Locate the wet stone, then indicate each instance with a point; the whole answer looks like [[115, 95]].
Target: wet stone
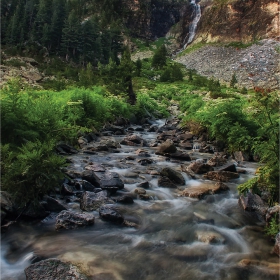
[[92, 201], [140, 191], [53, 269], [165, 182], [108, 213], [204, 189], [144, 185], [71, 220], [175, 176]]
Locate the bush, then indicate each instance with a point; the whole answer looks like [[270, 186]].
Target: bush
[[30, 172]]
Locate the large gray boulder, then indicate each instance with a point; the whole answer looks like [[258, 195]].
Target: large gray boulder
[[71, 220], [167, 147], [106, 180], [108, 213], [92, 201], [53, 269], [175, 176]]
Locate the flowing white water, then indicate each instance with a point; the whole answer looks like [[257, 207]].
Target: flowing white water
[[169, 242], [193, 25]]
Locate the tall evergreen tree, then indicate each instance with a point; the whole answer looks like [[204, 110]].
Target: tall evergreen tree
[[159, 58], [71, 36], [126, 69]]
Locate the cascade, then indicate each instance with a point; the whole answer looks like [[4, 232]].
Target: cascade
[[193, 25]]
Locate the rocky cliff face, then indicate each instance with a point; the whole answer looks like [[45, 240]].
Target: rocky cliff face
[[151, 19], [238, 20]]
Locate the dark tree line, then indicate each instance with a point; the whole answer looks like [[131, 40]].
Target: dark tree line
[[62, 27]]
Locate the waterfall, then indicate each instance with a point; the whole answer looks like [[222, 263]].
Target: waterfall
[[193, 25]]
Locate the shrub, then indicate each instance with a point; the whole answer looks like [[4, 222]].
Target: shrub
[[31, 172]]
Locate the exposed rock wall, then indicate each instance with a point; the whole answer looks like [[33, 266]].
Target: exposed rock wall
[[239, 20], [151, 19]]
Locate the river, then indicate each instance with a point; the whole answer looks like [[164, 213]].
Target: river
[[171, 241]]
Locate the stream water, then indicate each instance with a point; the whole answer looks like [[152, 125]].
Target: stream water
[[170, 242]]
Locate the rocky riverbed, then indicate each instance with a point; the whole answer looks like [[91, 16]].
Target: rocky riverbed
[[145, 201], [254, 66]]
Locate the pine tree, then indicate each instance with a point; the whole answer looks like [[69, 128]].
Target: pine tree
[[138, 67], [71, 36], [159, 58], [233, 80], [126, 69]]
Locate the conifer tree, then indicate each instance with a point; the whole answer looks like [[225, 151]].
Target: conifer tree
[[159, 58]]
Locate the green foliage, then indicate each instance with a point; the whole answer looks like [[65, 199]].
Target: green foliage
[[31, 172], [14, 62], [159, 58], [172, 73], [233, 80], [273, 227], [244, 91]]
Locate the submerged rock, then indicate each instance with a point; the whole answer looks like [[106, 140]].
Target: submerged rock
[[71, 220], [209, 237], [53, 269], [202, 190]]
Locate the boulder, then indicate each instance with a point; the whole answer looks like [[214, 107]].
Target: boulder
[[165, 182], [67, 189], [167, 147], [52, 204], [6, 202], [229, 167], [222, 176], [110, 143], [142, 153], [145, 161], [144, 185], [128, 143], [114, 128], [32, 75], [253, 203], [153, 128], [92, 201], [241, 156], [276, 248], [217, 160], [63, 148], [95, 167], [53, 269], [180, 156], [120, 121], [140, 191], [186, 136], [175, 176], [200, 167], [110, 181], [71, 220], [108, 213], [34, 211], [209, 237], [272, 212], [186, 145], [124, 199], [204, 189]]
